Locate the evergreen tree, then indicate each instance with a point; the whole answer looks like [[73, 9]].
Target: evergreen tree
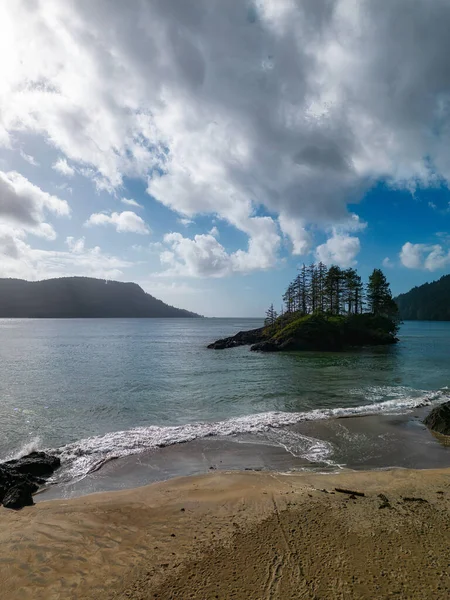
[[352, 291], [271, 316], [303, 289], [288, 298], [379, 295], [313, 292], [321, 295], [333, 289]]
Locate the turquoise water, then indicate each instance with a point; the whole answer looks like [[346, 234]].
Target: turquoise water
[[94, 389]]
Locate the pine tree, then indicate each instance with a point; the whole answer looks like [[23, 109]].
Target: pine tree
[[321, 277], [313, 295], [352, 291], [303, 289], [333, 289], [271, 316], [379, 296]]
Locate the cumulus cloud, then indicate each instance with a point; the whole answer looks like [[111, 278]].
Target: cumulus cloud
[[340, 249], [124, 222], [431, 257], [294, 106], [25, 206], [63, 167], [20, 259], [131, 202], [204, 255], [300, 238], [387, 263]]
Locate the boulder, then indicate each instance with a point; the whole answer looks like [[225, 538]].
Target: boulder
[[439, 419], [20, 478], [38, 464], [20, 495]]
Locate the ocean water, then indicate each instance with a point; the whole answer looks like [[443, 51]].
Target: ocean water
[[93, 390]]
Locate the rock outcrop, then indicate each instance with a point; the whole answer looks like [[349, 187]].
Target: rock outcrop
[[439, 419], [20, 478], [243, 338], [294, 331]]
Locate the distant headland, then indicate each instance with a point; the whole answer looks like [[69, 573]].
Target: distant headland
[[325, 309], [428, 302], [81, 297]]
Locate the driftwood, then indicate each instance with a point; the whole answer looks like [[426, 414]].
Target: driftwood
[[350, 492], [410, 499]]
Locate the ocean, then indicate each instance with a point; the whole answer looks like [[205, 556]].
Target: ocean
[[129, 401]]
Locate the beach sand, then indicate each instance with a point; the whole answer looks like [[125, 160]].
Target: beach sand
[[238, 535]]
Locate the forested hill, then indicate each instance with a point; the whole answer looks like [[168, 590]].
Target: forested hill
[[79, 297], [428, 302]]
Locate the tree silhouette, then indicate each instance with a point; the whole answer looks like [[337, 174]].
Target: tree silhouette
[[334, 291]]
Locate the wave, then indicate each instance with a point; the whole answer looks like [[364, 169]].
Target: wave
[[88, 455]]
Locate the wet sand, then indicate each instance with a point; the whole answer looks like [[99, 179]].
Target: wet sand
[[357, 443], [249, 536]]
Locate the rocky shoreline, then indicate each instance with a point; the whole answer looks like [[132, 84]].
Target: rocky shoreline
[[20, 478], [243, 338]]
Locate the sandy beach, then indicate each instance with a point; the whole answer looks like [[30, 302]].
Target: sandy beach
[[242, 535]]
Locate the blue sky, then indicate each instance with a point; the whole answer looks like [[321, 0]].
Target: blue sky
[[205, 150]]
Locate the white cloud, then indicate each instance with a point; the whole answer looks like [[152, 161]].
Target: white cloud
[[411, 255], [186, 222], [25, 206], [124, 222], [214, 232], [300, 238], [431, 257], [204, 255], [19, 259], [131, 202], [29, 159], [340, 249], [63, 167], [387, 263], [295, 106]]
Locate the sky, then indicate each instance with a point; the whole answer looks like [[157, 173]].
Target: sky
[[206, 148]]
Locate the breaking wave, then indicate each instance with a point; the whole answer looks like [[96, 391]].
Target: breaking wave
[[88, 455]]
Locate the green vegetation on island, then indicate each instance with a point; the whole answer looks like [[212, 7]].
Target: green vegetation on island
[[428, 302], [326, 309]]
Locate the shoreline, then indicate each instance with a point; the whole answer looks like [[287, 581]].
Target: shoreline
[[246, 535], [356, 443]]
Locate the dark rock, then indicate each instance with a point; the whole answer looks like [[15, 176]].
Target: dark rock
[[20, 478], [20, 495], [439, 419], [38, 464], [266, 346], [243, 338]]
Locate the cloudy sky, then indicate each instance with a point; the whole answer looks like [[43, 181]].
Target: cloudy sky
[[206, 148]]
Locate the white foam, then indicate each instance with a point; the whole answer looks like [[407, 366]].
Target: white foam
[[32, 446], [88, 455]]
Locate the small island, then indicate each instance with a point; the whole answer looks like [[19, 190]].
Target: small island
[[326, 309]]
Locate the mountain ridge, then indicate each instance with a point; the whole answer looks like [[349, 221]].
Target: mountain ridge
[[427, 302], [81, 297]]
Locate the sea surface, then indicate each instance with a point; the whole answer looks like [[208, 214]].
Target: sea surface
[[94, 390]]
